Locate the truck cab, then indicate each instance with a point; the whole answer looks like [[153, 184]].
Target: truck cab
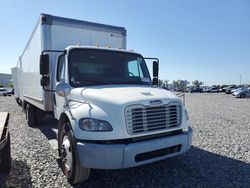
[[111, 114]]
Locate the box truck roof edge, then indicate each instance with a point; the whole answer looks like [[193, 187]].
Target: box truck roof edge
[[47, 19]]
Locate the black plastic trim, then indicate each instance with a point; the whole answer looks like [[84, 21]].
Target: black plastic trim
[[157, 153], [133, 140]]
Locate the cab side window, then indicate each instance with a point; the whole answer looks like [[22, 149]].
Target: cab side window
[[60, 69]]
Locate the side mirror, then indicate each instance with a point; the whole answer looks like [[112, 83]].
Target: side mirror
[[63, 89], [155, 69], [44, 64], [155, 72], [45, 81]]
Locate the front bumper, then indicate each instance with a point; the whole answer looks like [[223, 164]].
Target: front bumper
[[116, 156]]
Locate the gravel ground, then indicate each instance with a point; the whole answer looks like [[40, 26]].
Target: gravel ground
[[219, 157]]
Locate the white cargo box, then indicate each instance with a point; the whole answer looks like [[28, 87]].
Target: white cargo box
[[56, 33]]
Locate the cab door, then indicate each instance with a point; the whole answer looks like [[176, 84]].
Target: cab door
[[60, 77]]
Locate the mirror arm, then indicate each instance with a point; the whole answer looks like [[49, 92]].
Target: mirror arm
[[152, 58], [50, 90]]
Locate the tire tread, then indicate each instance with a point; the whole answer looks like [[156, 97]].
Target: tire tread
[[30, 115]]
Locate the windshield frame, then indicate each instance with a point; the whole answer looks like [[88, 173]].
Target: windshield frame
[[95, 83]]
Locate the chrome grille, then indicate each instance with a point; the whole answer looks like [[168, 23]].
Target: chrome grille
[[141, 118]]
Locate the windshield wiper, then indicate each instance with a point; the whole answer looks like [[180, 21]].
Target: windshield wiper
[[132, 83], [94, 81]]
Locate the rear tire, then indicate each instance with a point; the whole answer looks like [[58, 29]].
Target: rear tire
[[17, 101], [5, 164], [30, 115], [34, 115], [71, 165], [39, 114], [20, 102]]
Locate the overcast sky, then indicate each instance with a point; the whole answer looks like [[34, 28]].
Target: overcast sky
[[207, 40]]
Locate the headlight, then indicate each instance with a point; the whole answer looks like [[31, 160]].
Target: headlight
[[94, 125]]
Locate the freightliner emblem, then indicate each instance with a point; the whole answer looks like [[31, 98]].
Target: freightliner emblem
[[155, 102]]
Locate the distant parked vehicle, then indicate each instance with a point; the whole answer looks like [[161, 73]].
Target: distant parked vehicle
[[3, 91], [236, 90], [213, 90], [188, 89], [196, 90], [205, 89], [8, 93], [223, 89], [242, 93], [229, 89]]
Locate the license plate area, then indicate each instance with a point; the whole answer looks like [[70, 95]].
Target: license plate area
[[157, 153]]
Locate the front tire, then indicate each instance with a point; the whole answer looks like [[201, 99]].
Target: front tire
[[71, 166]]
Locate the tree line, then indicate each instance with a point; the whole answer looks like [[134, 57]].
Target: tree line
[[180, 84]]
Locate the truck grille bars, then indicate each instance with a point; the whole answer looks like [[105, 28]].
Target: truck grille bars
[[141, 118]]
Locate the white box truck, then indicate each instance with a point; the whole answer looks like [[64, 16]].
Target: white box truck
[[110, 113]]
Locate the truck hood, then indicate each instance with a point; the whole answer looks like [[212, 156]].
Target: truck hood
[[121, 95]]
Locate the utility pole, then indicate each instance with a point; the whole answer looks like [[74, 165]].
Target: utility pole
[[240, 79]]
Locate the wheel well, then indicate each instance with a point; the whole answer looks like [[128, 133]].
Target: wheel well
[[63, 119]]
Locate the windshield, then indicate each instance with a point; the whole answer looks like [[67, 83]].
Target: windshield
[[101, 67]]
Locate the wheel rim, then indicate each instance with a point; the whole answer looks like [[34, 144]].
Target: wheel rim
[[67, 153]]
